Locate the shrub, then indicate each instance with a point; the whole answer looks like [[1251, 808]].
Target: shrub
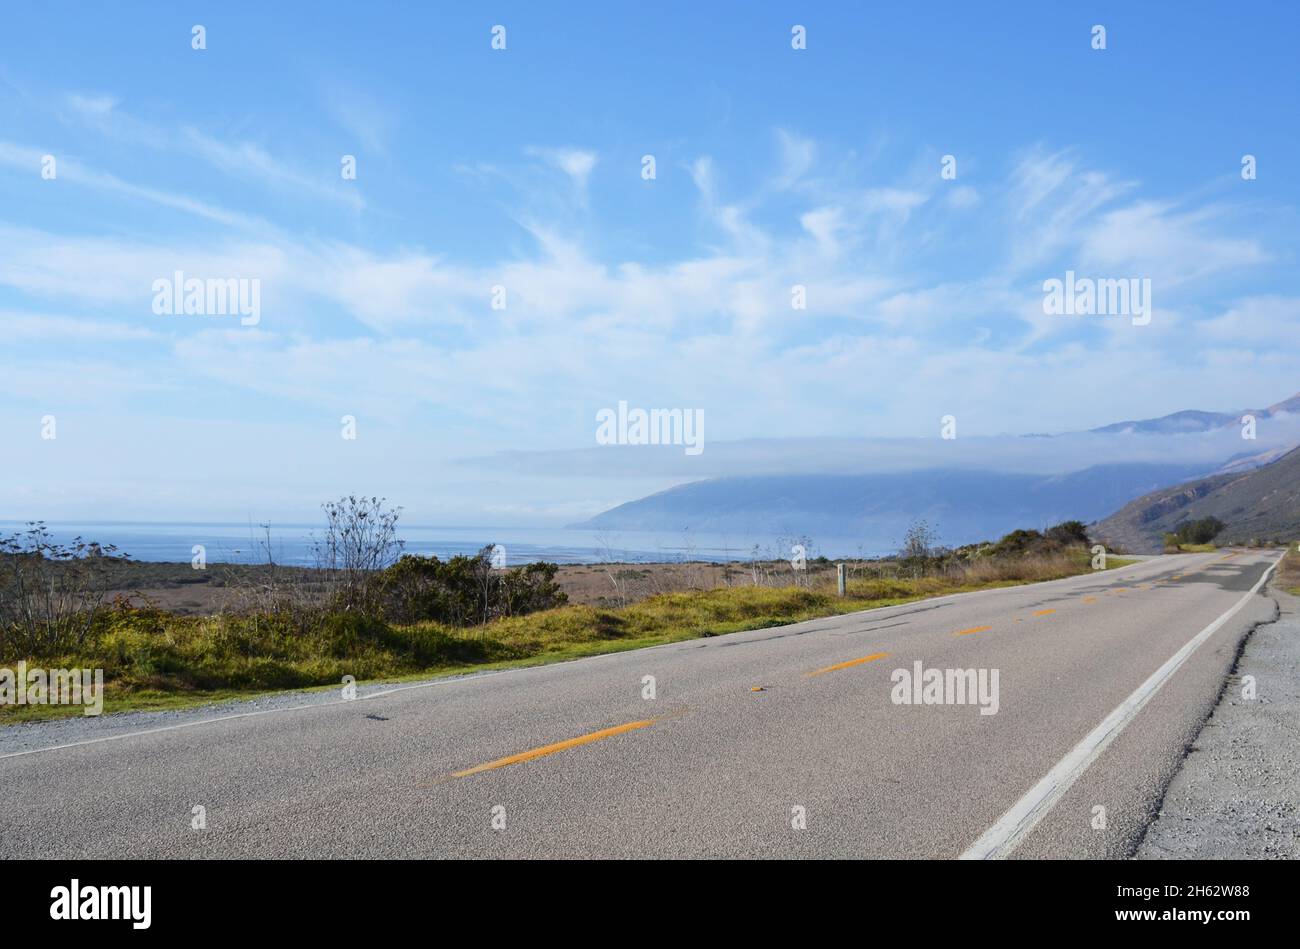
[[51, 594], [529, 589], [1018, 543], [1202, 531], [465, 591], [1068, 533]]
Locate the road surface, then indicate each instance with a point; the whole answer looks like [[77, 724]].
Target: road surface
[[782, 742]]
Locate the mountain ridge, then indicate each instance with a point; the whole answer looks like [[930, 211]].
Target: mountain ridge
[[1260, 504], [963, 504]]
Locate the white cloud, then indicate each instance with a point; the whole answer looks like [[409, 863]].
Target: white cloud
[[1151, 239], [19, 327], [95, 107], [701, 171], [574, 162], [888, 338], [963, 197], [69, 170], [251, 161], [824, 224], [1268, 321], [367, 119], [243, 159], [797, 155], [1050, 201]]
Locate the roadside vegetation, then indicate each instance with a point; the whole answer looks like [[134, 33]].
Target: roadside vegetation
[[1288, 571], [370, 611], [1194, 536]]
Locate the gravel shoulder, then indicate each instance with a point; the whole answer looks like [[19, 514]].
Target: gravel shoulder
[[1237, 795]]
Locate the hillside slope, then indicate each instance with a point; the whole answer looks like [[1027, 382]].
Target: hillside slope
[[964, 506], [1260, 504]]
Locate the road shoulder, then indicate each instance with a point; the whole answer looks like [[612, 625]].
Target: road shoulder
[[1237, 794]]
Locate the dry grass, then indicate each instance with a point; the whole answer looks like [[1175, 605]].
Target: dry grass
[[1288, 571]]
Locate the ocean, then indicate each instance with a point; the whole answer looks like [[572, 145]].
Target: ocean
[[291, 544]]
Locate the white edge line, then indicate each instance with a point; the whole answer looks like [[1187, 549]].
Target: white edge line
[[1012, 827], [485, 675]]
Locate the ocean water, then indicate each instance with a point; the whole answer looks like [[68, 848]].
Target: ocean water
[[292, 543]]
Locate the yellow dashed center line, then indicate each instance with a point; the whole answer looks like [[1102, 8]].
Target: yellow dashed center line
[[1090, 599], [552, 749], [1044, 612], [973, 629], [851, 662]]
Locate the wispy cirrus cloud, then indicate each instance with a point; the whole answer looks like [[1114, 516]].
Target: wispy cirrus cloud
[[70, 170], [885, 334], [240, 158], [576, 163]]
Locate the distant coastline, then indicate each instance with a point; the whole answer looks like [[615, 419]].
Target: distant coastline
[[291, 543]]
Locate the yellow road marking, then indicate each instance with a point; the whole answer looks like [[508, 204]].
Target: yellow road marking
[[973, 629], [552, 749], [1044, 612], [1090, 599], [851, 662]]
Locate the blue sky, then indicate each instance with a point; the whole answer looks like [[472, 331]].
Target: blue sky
[[522, 168]]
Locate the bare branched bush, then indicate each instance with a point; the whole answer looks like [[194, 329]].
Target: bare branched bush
[[50, 593], [918, 547], [618, 579], [359, 540]]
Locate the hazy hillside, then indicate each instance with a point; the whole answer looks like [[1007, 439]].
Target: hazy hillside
[[1259, 504], [1193, 420], [964, 506], [967, 504]]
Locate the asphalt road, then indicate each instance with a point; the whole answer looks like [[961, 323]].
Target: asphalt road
[[746, 734]]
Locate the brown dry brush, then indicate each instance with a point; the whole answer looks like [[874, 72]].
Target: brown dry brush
[[362, 576], [1288, 571]]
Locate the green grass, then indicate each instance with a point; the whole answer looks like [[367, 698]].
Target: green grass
[[1192, 549], [155, 661]]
